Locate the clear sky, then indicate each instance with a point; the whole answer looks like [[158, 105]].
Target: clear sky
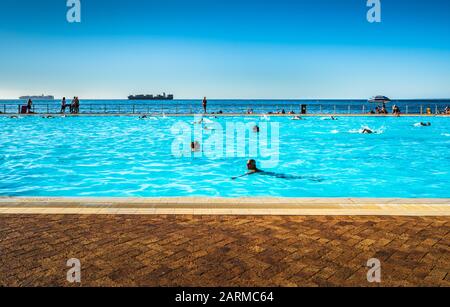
[[225, 49]]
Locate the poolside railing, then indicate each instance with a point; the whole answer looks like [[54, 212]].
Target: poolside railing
[[239, 108]]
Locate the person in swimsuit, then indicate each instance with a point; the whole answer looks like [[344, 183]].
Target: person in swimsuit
[[205, 104], [29, 105], [77, 105], [63, 105], [195, 146], [72, 105], [253, 169], [425, 124]]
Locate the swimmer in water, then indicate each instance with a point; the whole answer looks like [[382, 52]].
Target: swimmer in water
[[253, 169], [195, 146], [425, 124], [329, 118], [256, 129], [367, 131], [296, 118], [143, 117]]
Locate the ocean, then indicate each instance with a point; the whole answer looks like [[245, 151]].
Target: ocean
[[413, 106]]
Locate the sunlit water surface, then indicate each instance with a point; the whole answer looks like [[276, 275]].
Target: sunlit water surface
[[128, 157]]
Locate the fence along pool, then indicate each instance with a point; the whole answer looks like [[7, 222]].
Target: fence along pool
[[230, 107]]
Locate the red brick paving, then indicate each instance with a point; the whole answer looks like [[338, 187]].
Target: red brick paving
[[223, 250]]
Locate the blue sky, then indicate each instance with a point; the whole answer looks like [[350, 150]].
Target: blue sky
[[226, 49]]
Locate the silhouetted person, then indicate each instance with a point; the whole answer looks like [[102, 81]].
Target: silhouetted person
[[29, 105], [205, 104], [63, 105]]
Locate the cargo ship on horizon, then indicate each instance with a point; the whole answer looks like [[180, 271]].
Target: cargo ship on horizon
[[42, 97], [151, 97]]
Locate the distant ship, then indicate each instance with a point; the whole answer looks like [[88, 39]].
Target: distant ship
[[151, 97], [42, 97]]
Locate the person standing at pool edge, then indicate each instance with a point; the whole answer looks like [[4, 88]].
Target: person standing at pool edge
[[72, 105], [204, 103], [63, 105], [29, 105]]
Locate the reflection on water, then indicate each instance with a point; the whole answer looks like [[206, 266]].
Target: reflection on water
[[123, 156]]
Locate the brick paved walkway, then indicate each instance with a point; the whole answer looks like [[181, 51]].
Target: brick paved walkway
[[223, 250]]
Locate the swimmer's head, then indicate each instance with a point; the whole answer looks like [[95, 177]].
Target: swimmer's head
[[251, 165]]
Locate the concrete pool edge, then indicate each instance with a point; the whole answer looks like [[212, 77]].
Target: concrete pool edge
[[227, 206]]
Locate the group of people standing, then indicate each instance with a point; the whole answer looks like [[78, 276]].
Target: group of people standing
[[74, 106], [383, 110]]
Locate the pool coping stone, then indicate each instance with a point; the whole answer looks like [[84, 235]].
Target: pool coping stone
[[227, 206]]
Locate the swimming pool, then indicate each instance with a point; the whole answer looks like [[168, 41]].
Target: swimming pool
[[128, 157]]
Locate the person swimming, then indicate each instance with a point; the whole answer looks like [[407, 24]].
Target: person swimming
[[195, 146], [329, 118], [296, 118], [367, 131], [253, 169], [425, 124], [256, 129]]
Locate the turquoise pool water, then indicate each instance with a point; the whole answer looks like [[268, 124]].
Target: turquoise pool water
[[128, 157]]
